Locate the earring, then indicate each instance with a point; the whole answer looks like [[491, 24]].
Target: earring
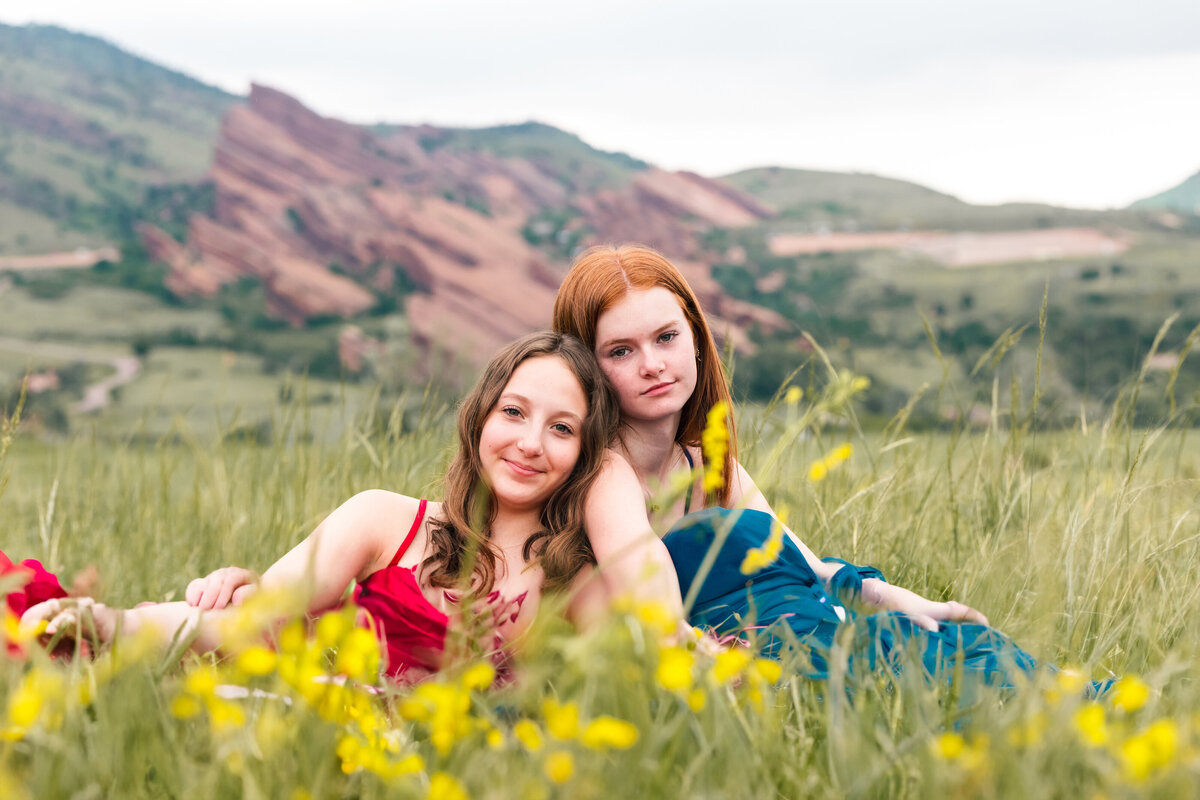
[[697, 354]]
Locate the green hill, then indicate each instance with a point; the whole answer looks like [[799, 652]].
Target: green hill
[[82, 120], [1185, 197], [580, 166], [859, 201]]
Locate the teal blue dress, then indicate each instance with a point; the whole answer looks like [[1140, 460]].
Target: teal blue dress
[[785, 604]]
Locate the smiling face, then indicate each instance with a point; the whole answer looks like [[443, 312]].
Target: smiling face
[[646, 348], [532, 437]]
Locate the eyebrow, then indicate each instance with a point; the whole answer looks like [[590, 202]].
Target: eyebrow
[[618, 339]]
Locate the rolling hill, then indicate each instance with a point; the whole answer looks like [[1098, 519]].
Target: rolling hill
[[1185, 198], [82, 122]]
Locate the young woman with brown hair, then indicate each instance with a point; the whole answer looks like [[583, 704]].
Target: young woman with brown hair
[[532, 439]]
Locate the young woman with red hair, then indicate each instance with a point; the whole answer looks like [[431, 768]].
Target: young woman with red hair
[[636, 311]]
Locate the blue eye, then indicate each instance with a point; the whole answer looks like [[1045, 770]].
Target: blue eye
[[511, 411], [563, 428], [619, 352], [668, 336]]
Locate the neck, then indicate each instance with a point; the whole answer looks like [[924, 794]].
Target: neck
[[510, 529], [650, 446]]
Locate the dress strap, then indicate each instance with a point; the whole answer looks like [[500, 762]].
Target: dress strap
[[412, 533], [687, 500]]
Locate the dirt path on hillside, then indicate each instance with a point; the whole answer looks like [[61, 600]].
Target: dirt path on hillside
[[97, 395], [81, 258], [966, 249]]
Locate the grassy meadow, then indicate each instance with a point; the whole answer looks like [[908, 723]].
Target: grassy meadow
[[1083, 544]]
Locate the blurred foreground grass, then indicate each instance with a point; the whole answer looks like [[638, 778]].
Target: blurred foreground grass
[[1083, 545]]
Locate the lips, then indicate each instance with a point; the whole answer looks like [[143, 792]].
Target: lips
[[658, 389], [523, 470]]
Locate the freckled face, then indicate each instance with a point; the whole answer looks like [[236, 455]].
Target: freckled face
[[531, 439], [646, 348]]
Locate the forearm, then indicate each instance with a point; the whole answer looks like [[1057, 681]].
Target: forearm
[[169, 621], [644, 574]]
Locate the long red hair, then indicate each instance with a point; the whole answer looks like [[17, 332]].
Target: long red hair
[[600, 277]]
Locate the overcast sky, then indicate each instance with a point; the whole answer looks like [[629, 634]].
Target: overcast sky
[[1074, 102]]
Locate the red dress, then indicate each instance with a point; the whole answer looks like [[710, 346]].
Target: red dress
[[41, 585], [413, 630]]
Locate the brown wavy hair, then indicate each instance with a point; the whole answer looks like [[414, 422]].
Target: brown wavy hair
[[600, 277], [460, 536]]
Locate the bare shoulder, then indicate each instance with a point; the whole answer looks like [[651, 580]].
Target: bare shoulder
[[744, 491], [617, 477], [615, 461], [379, 505], [373, 517]]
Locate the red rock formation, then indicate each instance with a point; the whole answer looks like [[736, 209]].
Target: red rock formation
[[297, 193]]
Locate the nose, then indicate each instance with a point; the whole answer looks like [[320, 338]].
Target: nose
[[530, 443], [652, 364]]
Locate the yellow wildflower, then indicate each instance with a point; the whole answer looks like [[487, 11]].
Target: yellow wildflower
[[1153, 749], [730, 663], [479, 677], [358, 656], [559, 766], [757, 558], [696, 700], [656, 617], [768, 669], [14, 635], [201, 682], [1070, 681], [562, 719], [39, 696], [495, 739], [1091, 724], [411, 764], [841, 453], [25, 704], [445, 787], [293, 639], [674, 671], [185, 706], [793, 395], [257, 661], [714, 441], [607, 732], [529, 735], [1137, 758], [332, 626], [971, 755], [817, 471], [1130, 693], [225, 716], [949, 746], [755, 695]]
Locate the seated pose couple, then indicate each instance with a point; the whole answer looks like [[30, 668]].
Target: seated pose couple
[[567, 488]]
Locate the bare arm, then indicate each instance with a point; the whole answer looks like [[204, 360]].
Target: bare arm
[[746, 493], [360, 530], [631, 559], [922, 610], [350, 543]]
